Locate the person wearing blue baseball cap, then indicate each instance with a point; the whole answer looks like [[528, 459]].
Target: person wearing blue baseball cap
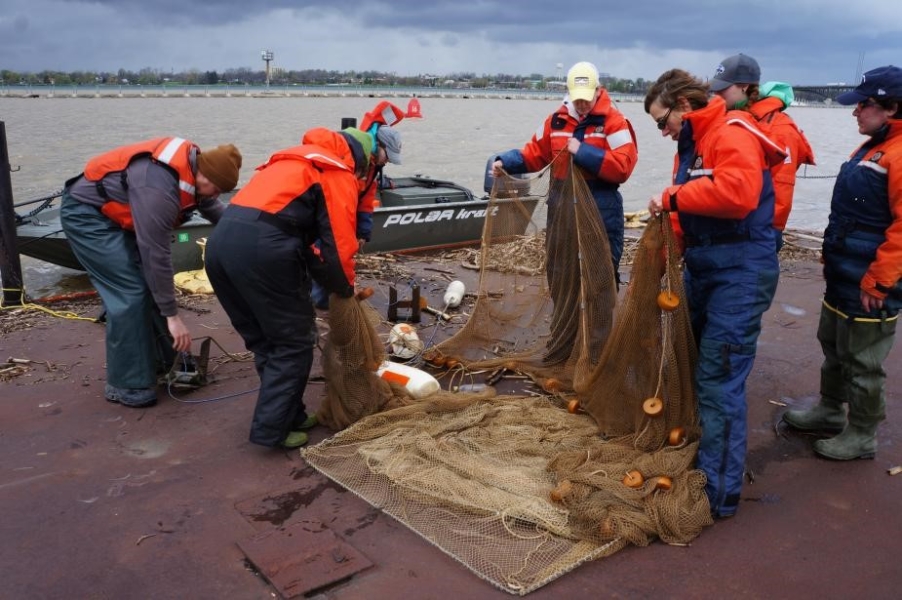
[[862, 256]]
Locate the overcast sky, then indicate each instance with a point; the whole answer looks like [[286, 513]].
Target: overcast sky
[[798, 41]]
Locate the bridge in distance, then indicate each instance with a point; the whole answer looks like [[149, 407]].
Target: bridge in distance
[[819, 93]]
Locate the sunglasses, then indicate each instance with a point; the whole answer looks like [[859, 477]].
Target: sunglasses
[[866, 103], [662, 122]]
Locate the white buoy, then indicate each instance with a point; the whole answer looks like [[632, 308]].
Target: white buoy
[[404, 341], [455, 294], [419, 383]]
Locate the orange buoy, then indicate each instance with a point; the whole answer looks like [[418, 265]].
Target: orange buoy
[[451, 362], [414, 111], [551, 385], [653, 407], [607, 527], [663, 483], [676, 436], [668, 301], [364, 293], [434, 358], [573, 406], [562, 490], [633, 479]]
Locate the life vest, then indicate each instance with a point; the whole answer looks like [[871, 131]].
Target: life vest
[[173, 152], [384, 113]]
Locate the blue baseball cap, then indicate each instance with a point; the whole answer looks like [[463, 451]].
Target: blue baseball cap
[[882, 82]]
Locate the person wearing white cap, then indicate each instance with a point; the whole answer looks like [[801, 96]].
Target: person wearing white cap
[[862, 256], [599, 139]]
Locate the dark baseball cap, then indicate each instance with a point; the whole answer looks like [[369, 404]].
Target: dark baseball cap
[[738, 68], [882, 82]]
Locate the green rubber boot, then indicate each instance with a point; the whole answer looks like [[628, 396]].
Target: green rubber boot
[[295, 439], [854, 442], [823, 416]]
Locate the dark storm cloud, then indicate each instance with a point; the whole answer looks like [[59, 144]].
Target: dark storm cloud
[[808, 39]]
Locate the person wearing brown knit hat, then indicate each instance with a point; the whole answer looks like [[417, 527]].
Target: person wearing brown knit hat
[[220, 166], [118, 216]]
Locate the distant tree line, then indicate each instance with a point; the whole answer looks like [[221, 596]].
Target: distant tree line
[[278, 76]]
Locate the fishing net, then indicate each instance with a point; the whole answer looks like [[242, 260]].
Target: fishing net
[[524, 487]]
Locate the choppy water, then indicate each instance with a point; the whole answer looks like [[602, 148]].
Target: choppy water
[[49, 140]]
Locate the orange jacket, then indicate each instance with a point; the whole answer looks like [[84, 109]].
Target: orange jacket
[[780, 127], [320, 173], [609, 135], [723, 164], [173, 152]]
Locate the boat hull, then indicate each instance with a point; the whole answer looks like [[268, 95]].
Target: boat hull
[[417, 214]]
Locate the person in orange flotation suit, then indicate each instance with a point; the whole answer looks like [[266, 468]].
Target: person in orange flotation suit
[[722, 198], [295, 217], [602, 144]]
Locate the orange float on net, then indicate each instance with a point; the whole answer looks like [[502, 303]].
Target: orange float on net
[[364, 293], [562, 490], [668, 301], [653, 407], [663, 483], [450, 363], [551, 385], [607, 527], [633, 479], [676, 436], [573, 406]]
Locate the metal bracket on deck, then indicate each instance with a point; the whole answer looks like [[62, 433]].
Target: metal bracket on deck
[[413, 304]]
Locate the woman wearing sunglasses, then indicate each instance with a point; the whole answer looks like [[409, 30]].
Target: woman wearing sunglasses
[[721, 203], [862, 257]]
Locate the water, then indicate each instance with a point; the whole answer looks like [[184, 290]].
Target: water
[[50, 139]]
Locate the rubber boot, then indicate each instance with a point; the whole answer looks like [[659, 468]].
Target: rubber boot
[[854, 442], [826, 415]]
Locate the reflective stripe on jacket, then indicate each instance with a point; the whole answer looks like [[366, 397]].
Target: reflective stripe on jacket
[[312, 191], [173, 152], [608, 153], [863, 238]]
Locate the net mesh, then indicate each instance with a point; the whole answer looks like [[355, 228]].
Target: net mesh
[[522, 488]]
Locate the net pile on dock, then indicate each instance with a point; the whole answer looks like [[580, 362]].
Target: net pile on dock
[[519, 488]]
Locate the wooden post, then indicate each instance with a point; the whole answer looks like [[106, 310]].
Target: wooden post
[[10, 265]]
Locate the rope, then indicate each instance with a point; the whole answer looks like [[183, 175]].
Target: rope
[[46, 201]]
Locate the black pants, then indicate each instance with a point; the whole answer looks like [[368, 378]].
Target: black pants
[[259, 276]]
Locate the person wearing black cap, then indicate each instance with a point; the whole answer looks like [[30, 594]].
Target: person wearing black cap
[[118, 216], [862, 256], [737, 80], [294, 217]]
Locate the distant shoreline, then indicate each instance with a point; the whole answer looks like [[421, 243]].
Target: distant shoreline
[[300, 91], [286, 91]]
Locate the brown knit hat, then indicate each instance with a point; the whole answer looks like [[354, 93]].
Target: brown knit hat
[[221, 165]]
